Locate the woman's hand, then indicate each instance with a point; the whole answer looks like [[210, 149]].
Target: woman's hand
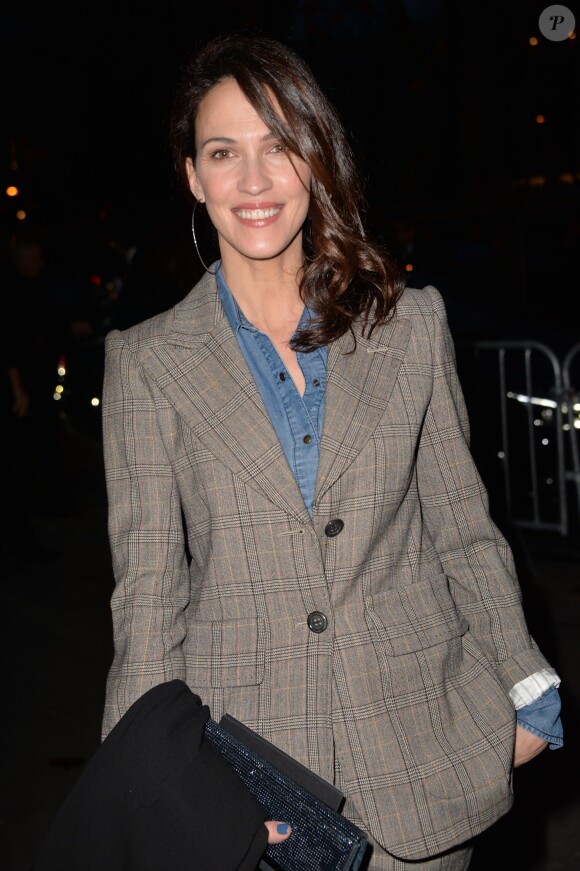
[[277, 831], [527, 746]]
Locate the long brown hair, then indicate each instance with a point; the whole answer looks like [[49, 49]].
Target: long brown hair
[[346, 275]]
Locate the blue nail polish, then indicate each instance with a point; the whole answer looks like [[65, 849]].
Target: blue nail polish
[[282, 828]]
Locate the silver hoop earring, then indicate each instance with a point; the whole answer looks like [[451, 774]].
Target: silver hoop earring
[[211, 271]]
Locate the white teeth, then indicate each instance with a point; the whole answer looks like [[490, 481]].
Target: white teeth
[[257, 214]]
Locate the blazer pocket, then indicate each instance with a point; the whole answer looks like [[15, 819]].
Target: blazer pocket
[[226, 653], [416, 617]]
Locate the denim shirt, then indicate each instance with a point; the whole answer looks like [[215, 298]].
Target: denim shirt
[[298, 424], [296, 419]]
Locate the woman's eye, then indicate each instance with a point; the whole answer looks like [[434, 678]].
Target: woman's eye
[[220, 154]]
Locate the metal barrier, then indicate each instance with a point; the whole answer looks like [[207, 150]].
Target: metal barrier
[[571, 407], [527, 460]]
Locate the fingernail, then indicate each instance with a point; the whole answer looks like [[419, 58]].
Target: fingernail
[[282, 828]]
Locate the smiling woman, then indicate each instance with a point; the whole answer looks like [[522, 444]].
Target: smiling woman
[[284, 103], [298, 530], [257, 194]]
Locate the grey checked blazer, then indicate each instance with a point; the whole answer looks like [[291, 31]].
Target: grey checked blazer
[[402, 699]]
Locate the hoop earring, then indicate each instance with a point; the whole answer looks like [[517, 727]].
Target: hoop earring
[[211, 271]]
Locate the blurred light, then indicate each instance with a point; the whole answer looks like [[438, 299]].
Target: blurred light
[[95, 401], [13, 165], [540, 119], [12, 191], [571, 35], [96, 280], [577, 424], [61, 370], [545, 441], [408, 267], [566, 178], [59, 388], [533, 40], [537, 181], [56, 396], [21, 215], [534, 400]]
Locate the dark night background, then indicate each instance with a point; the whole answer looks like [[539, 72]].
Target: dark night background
[[440, 97], [462, 183]]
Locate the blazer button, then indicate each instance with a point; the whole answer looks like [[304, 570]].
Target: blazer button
[[317, 622], [334, 527]]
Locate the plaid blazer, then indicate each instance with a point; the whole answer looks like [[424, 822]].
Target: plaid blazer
[[376, 642]]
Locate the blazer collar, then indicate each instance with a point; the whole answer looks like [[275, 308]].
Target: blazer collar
[[202, 372], [197, 314]]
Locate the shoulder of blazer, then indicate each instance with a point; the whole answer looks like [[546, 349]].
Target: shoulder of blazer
[[420, 301]]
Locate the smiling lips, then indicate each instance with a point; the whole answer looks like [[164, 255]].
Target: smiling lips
[[257, 214]]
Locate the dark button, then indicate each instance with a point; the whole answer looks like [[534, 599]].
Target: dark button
[[316, 382], [307, 439], [282, 376], [334, 527], [317, 622]]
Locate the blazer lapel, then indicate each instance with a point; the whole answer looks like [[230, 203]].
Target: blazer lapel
[[358, 387], [203, 374], [201, 370]]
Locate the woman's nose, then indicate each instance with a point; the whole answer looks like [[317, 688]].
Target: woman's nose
[[254, 176]]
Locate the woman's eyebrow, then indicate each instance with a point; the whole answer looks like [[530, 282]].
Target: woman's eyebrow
[[227, 140], [223, 140]]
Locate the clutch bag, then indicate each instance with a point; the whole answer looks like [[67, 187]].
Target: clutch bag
[[322, 839]]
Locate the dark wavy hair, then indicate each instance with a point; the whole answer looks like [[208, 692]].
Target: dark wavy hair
[[345, 275]]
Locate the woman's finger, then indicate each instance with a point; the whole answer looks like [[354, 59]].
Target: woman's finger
[[277, 831]]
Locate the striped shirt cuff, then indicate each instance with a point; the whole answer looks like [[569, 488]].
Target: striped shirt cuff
[[533, 687]]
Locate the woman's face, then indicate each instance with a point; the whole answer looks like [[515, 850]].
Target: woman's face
[[256, 193]]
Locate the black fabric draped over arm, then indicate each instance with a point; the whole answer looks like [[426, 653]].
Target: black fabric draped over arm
[[156, 796]]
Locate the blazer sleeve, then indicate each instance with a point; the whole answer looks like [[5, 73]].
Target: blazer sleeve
[[146, 536], [156, 796], [475, 554]]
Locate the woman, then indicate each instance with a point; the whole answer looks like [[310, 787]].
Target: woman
[[297, 526]]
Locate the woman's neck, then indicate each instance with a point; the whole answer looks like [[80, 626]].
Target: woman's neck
[[267, 292]]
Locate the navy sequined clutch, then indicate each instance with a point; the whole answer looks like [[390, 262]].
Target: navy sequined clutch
[[321, 838]]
